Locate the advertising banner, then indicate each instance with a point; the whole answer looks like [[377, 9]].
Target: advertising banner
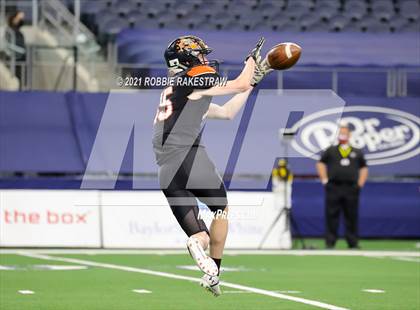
[[386, 130], [143, 219], [45, 218]]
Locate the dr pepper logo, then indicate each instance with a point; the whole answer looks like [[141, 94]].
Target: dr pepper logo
[[385, 135]]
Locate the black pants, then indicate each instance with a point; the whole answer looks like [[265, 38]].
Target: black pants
[[195, 178], [342, 198]]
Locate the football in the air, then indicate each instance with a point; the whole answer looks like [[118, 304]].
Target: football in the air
[[283, 55]]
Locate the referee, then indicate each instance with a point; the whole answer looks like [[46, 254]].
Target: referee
[[342, 169]]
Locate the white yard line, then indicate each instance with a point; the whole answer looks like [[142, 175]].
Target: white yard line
[[142, 291], [373, 253], [373, 290], [407, 259], [180, 277], [242, 292], [26, 292]]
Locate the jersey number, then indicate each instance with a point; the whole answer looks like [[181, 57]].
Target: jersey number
[[165, 106]]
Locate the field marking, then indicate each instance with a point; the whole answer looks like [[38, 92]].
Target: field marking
[[365, 253], [243, 292], [290, 292], [44, 267], [26, 292], [223, 268], [142, 291], [235, 292], [407, 259], [58, 267], [186, 278], [373, 290]]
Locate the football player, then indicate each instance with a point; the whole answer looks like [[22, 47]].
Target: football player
[[186, 173]]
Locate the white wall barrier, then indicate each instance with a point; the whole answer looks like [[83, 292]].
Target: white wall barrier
[[49, 218], [127, 219]]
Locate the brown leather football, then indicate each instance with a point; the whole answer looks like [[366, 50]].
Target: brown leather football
[[283, 55]]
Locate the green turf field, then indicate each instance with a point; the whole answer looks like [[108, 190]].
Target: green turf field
[[107, 283]]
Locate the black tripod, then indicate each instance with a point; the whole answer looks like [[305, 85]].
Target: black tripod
[[289, 220], [286, 136]]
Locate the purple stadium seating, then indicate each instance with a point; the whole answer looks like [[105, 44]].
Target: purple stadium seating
[[302, 15]]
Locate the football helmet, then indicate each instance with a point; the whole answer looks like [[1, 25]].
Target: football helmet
[[183, 53]]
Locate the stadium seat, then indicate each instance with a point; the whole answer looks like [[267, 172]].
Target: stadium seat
[[269, 10], [337, 23], [122, 7], [92, 7], [356, 13], [195, 3], [326, 12], [372, 25], [243, 3], [383, 13], [318, 27], [291, 26], [295, 11], [153, 9], [238, 13], [302, 3], [411, 27], [387, 4], [134, 17], [277, 23], [397, 22], [278, 3], [247, 22], [307, 20], [223, 22], [212, 11], [181, 10], [333, 4], [136, 4], [352, 26], [216, 4], [352, 4], [410, 10]]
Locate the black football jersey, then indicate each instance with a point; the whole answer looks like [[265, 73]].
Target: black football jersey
[[179, 120]]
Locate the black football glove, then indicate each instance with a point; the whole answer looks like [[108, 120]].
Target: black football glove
[[255, 53], [261, 70]]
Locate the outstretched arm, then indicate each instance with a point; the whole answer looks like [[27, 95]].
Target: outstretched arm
[[239, 85], [229, 110]]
